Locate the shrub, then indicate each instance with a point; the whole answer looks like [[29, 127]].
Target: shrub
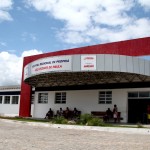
[[139, 125], [95, 122], [84, 118], [88, 119], [60, 120]]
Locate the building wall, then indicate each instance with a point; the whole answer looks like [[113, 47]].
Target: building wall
[[86, 101], [9, 109]]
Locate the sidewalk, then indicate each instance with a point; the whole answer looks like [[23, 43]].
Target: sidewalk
[[124, 128], [21, 135]]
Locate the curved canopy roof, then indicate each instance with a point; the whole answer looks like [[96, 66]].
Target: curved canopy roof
[[84, 78], [86, 70]]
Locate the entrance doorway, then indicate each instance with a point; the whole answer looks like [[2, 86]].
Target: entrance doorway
[[137, 110]]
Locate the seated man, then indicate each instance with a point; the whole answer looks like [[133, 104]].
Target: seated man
[[75, 113], [67, 113], [49, 114], [57, 113], [108, 114], [60, 112]]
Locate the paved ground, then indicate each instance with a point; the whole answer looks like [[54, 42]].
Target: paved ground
[[34, 136]]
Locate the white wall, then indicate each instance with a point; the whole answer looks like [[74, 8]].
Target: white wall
[[86, 101], [32, 109], [9, 109]]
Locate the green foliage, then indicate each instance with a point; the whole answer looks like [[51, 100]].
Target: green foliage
[[84, 118], [60, 120], [95, 122], [88, 119], [139, 125], [26, 119]]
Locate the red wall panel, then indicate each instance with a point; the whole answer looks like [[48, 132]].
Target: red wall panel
[[25, 97], [136, 47], [25, 102]]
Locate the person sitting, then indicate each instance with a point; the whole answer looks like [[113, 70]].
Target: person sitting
[[57, 113], [75, 113], [60, 112], [67, 113], [49, 114], [108, 114]]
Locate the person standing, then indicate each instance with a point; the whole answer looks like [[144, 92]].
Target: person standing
[[115, 113]]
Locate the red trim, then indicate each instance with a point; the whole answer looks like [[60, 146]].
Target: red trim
[[25, 98], [136, 47], [25, 102]]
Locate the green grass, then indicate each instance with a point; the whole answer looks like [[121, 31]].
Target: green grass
[[24, 119]]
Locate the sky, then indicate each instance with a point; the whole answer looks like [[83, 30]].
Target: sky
[[29, 27]]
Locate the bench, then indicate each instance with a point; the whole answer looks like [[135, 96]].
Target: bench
[[102, 115], [99, 114]]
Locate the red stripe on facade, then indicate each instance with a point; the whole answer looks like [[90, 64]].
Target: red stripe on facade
[[136, 47]]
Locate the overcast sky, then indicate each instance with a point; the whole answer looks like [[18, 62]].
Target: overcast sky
[[30, 27]]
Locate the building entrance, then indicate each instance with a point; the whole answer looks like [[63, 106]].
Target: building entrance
[[137, 110]]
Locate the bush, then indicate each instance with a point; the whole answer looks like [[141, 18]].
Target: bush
[[84, 118], [95, 122], [88, 119], [139, 125], [60, 120]]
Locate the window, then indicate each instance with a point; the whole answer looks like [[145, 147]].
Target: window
[[1, 98], [60, 98], [137, 95], [15, 99], [133, 94], [7, 100], [105, 97], [144, 94], [43, 98]]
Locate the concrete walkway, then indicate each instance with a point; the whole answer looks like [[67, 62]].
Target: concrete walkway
[[21, 135], [123, 128]]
